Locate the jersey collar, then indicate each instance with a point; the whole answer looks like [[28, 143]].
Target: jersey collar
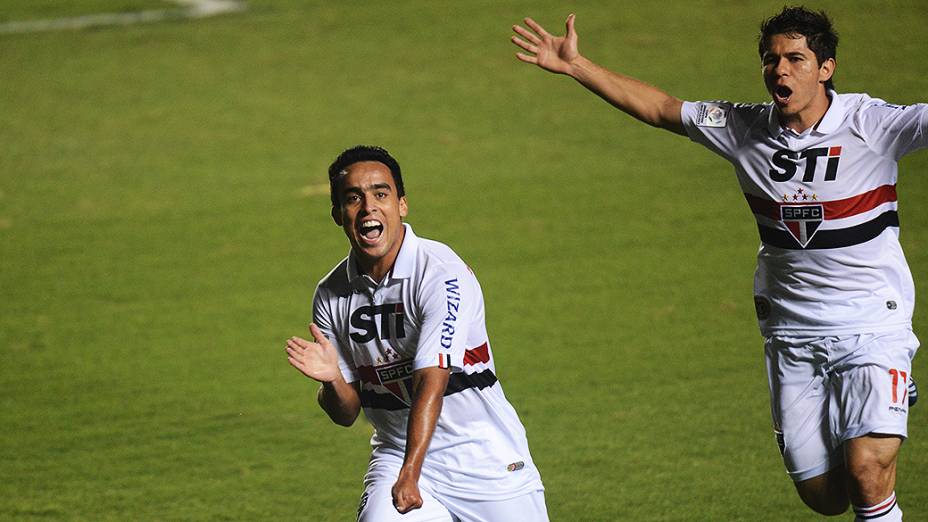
[[833, 116], [831, 121], [405, 263], [403, 266]]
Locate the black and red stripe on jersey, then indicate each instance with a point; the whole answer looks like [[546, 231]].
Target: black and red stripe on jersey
[[458, 382], [825, 236]]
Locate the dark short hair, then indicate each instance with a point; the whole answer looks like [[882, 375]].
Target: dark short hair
[[799, 21], [357, 154]]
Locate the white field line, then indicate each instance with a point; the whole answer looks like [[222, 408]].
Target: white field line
[[186, 9]]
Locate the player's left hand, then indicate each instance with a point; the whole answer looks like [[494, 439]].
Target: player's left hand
[[406, 495]]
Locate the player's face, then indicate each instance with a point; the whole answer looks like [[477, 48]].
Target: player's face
[[371, 213], [793, 76]]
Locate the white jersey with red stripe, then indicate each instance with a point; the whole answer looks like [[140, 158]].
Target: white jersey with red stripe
[[830, 262], [428, 311]]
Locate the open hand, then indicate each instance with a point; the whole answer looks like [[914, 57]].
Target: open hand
[[317, 360], [552, 53]]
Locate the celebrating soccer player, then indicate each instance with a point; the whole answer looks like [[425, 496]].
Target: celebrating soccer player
[[399, 331], [833, 293]]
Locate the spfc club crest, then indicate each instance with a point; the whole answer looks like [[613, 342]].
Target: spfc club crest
[[802, 221], [397, 377]]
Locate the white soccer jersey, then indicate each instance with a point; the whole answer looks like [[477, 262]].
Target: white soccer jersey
[[830, 262], [428, 311]]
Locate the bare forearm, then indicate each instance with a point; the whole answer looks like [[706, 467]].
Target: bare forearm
[[340, 401], [634, 97], [423, 416], [422, 420]]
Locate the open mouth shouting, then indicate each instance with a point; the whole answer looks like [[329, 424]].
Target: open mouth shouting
[[370, 230], [782, 94]]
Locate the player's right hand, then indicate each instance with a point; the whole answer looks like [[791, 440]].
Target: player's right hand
[[317, 360], [552, 53]]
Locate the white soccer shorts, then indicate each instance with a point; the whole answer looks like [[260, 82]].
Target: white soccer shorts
[[377, 505], [826, 390]]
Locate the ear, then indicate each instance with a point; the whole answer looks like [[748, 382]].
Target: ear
[[826, 70], [404, 209], [337, 215]]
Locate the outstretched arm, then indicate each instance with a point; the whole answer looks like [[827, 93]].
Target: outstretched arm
[[559, 54], [428, 391], [319, 360]]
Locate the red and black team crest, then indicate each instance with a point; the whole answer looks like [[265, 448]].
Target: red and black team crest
[[397, 377], [802, 221], [804, 217]]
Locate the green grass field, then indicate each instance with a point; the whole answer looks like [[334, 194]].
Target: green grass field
[[164, 219]]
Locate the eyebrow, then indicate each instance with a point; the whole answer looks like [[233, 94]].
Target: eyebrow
[[787, 53], [791, 54], [376, 186]]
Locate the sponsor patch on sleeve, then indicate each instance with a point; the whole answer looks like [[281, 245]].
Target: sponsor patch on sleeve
[[712, 115]]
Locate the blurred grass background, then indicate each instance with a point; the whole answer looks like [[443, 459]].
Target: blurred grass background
[[164, 219]]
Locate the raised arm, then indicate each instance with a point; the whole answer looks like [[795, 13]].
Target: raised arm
[[319, 360], [428, 390], [559, 54]]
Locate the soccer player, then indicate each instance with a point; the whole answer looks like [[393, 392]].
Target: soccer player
[[398, 329], [833, 292]]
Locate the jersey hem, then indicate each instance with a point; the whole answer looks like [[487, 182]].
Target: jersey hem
[[806, 331], [389, 462], [484, 496]]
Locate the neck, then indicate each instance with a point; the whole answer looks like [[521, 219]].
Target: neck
[[808, 117]]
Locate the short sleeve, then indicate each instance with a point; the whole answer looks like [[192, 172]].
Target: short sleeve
[[895, 130], [323, 318], [711, 124], [448, 300]]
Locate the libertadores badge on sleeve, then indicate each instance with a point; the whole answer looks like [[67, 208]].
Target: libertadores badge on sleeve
[[712, 115]]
